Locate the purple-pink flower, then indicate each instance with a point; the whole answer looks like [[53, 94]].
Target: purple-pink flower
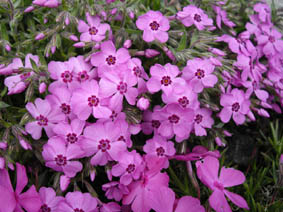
[[154, 26], [49, 200]]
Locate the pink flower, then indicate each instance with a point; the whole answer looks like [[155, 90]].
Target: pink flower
[[143, 103], [207, 172], [150, 124], [94, 30], [235, 104], [87, 100], [129, 167], [12, 67], [15, 200], [192, 15], [39, 36], [154, 26], [78, 202], [198, 74], [175, 120], [45, 118], [165, 78], [104, 145], [191, 203], [49, 200], [82, 70], [109, 59], [222, 17], [115, 190], [58, 156], [202, 120], [47, 3]]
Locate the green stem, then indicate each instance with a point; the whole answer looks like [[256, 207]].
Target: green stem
[[176, 180]]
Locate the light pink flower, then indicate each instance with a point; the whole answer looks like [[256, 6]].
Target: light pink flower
[[207, 172], [222, 17], [47, 3], [154, 26], [94, 30], [49, 200], [191, 203], [150, 124], [202, 120], [115, 190], [12, 67]]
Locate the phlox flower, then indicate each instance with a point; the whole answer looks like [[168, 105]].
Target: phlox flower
[[191, 203], [94, 30], [45, 117], [108, 59], [235, 104], [175, 120], [193, 15], [59, 157], [87, 100], [154, 26], [49, 200], [116, 87], [115, 190], [202, 120], [47, 3], [104, 146], [198, 73], [129, 167], [165, 78], [222, 17], [264, 12], [207, 172], [11, 200], [149, 124], [108, 207], [13, 67], [82, 71], [78, 202], [160, 147]]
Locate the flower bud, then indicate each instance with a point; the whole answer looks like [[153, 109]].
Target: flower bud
[[3, 145], [2, 163], [131, 15], [139, 53], [39, 36], [73, 38], [45, 20], [92, 175], [143, 103], [11, 166], [219, 142], [67, 21], [29, 9], [151, 53], [113, 11], [24, 144], [217, 52], [79, 45], [53, 49], [263, 113], [8, 47], [227, 133], [127, 44], [64, 182], [42, 87]]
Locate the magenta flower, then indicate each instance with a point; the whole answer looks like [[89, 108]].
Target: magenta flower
[[129, 167], [116, 88], [104, 145], [193, 15], [94, 30], [45, 117], [58, 156], [198, 73], [49, 200], [188, 202], [87, 100], [159, 147], [149, 124], [78, 202], [222, 17], [11, 200], [115, 190], [207, 172], [12, 67], [165, 78], [82, 70], [202, 120], [47, 3], [154, 26], [235, 104], [175, 120], [109, 59]]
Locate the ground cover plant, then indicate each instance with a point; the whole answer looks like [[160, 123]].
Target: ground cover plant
[[141, 105]]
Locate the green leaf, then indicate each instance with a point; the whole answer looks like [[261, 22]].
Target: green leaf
[[34, 66], [4, 33], [183, 42], [3, 105]]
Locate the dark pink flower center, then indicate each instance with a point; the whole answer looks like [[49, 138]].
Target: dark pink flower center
[[67, 76], [197, 18], [122, 138], [93, 101], [24, 76], [92, 31], [113, 116], [174, 119], [160, 151], [235, 107], [61, 160], [137, 71], [82, 76], [104, 145], [41, 120], [198, 118], [72, 138], [166, 80], [78, 210], [122, 87], [66, 109], [183, 101], [199, 73], [218, 185], [271, 39], [111, 60], [155, 123], [154, 26], [44, 208], [131, 168]]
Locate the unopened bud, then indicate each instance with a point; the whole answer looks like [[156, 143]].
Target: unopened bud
[[25, 144], [143, 103], [64, 182], [29, 9], [39, 36], [2, 163], [3, 145], [92, 175], [42, 87], [73, 38], [113, 11], [151, 53], [53, 49], [139, 53], [227, 133], [8, 47], [79, 45], [131, 15], [219, 142], [263, 113], [127, 44]]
